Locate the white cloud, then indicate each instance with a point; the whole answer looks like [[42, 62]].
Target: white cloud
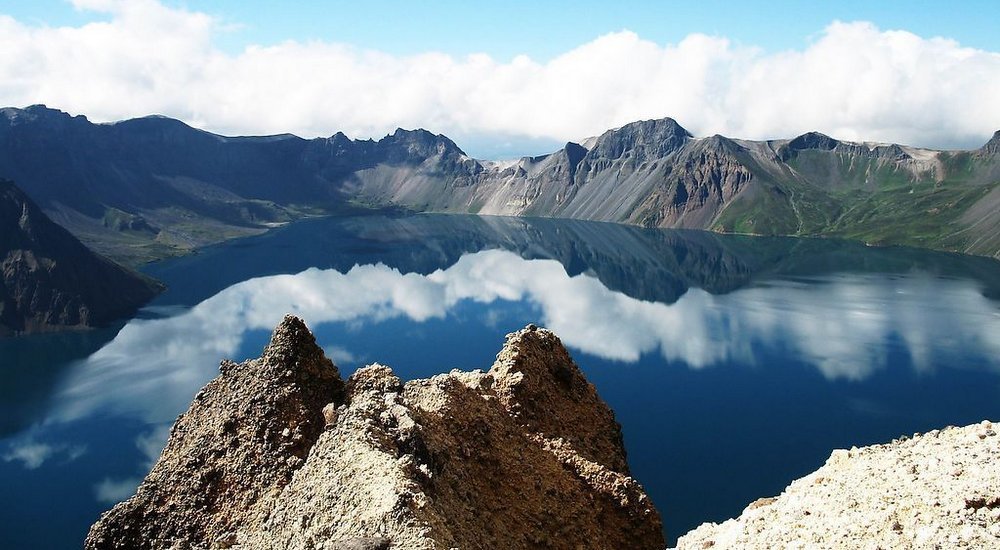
[[150, 444], [31, 455], [854, 81], [340, 356]]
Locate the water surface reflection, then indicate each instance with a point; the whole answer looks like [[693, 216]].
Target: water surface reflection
[[839, 324], [734, 364]]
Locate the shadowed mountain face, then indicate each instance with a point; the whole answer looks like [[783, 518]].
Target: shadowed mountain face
[[153, 187], [50, 280], [992, 147]]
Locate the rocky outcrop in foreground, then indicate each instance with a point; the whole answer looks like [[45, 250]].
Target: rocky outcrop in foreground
[[936, 490], [279, 452]]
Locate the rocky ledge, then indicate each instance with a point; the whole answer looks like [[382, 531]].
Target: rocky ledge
[[280, 452], [936, 490]]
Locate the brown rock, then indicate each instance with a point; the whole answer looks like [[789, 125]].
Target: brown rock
[[523, 456], [228, 456]]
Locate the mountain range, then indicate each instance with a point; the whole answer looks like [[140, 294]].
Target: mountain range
[[152, 187]]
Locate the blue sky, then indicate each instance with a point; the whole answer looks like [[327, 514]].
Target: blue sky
[[516, 77], [545, 29]]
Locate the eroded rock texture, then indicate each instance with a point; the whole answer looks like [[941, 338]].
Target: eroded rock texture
[[278, 452], [936, 490]]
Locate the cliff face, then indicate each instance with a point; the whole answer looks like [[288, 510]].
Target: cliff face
[[936, 490], [49, 280], [992, 146], [278, 452]]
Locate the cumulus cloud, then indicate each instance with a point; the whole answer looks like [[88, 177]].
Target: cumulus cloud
[[150, 444], [854, 81], [842, 329]]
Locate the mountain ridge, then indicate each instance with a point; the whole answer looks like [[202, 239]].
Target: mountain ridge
[[151, 187]]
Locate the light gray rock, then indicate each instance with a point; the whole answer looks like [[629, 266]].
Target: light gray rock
[[937, 490]]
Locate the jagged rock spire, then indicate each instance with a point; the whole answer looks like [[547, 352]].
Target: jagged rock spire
[[279, 453]]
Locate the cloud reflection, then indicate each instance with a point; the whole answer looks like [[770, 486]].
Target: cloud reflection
[[840, 324], [150, 444], [32, 454], [113, 491]]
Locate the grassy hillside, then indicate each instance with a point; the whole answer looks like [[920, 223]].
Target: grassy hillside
[[952, 203]]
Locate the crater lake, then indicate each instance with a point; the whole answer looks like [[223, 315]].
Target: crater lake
[[734, 364]]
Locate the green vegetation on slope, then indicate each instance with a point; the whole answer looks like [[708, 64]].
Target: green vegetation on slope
[[876, 200]]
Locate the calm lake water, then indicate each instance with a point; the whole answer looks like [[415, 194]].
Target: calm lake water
[[734, 364]]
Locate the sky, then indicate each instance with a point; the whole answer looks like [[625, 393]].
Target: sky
[[517, 77]]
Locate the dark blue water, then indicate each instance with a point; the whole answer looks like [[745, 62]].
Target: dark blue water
[[734, 364]]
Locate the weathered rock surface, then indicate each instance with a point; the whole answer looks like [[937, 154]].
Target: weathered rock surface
[[277, 452], [992, 146], [50, 281], [936, 490]]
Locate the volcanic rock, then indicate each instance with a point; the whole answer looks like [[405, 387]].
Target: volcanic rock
[[278, 452], [936, 490]]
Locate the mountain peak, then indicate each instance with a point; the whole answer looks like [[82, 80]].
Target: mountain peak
[[37, 112], [153, 121], [992, 146], [646, 139], [417, 145], [529, 439], [663, 127], [418, 134], [541, 386], [292, 344], [813, 140]]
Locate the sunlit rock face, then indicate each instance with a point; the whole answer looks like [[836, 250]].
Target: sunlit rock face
[[937, 490], [278, 452]]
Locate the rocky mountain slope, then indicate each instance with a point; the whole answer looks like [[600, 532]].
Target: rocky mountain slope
[[936, 490], [150, 187], [280, 452], [153, 187], [655, 174], [50, 280]]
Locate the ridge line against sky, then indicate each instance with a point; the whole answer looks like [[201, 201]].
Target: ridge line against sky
[[118, 59]]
